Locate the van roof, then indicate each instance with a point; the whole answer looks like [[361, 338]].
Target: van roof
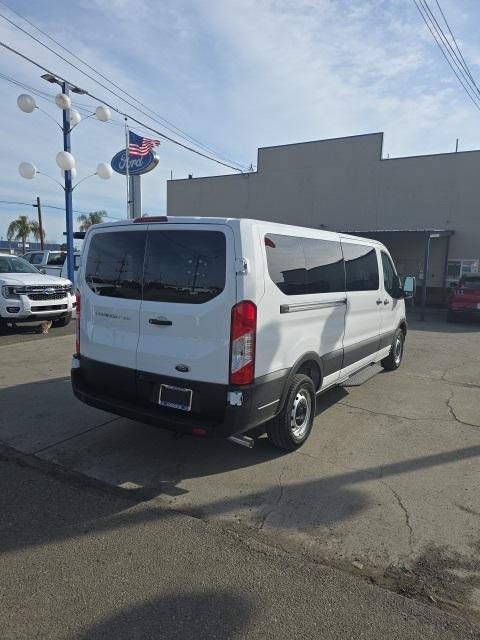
[[276, 226]]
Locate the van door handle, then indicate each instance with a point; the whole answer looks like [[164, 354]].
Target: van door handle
[[163, 323], [379, 301], [386, 301]]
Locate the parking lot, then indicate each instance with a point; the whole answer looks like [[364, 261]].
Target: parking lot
[[386, 486]]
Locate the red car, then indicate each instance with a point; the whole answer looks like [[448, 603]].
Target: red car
[[465, 299]]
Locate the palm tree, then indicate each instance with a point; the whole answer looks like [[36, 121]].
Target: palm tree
[[35, 229], [86, 220], [21, 228]]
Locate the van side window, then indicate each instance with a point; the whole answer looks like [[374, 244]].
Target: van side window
[[388, 273], [56, 259], [361, 267], [325, 268], [115, 264], [286, 264], [305, 265], [184, 266]]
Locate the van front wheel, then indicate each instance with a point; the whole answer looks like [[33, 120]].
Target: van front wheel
[[394, 358], [292, 426]]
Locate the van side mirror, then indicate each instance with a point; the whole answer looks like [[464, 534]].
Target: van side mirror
[[409, 287]]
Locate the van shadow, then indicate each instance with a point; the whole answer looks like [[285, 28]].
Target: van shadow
[[210, 614]]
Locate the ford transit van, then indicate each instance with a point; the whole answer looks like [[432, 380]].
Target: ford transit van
[[227, 327]]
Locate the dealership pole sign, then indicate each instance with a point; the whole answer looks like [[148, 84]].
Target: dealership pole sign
[[137, 165]]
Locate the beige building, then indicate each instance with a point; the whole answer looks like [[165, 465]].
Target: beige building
[[426, 209]]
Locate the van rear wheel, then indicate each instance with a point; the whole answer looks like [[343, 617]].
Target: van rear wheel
[[394, 358], [292, 426]]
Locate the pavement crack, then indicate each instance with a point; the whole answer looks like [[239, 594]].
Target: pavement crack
[[448, 404], [376, 413], [278, 498], [75, 435], [406, 514]]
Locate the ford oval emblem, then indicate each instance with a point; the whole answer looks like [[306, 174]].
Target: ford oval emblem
[[182, 367], [136, 164]]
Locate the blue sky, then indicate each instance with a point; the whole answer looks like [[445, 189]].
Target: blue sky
[[237, 75]]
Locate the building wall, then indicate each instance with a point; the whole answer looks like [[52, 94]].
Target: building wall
[[344, 184]]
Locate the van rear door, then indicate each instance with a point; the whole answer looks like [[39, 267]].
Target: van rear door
[[111, 289], [189, 289]]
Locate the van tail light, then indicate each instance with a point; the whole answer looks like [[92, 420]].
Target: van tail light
[[242, 343], [77, 324]]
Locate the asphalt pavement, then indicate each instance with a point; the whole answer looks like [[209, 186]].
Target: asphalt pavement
[[83, 562]]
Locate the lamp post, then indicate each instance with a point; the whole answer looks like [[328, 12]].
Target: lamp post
[[65, 159]]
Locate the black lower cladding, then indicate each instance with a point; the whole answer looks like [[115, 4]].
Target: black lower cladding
[[135, 395]]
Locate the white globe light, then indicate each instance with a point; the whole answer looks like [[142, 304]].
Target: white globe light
[[27, 170], [103, 113], [26, 103], [62, 101], [73, 173], [65, 160], [104, 171], [75, 117]]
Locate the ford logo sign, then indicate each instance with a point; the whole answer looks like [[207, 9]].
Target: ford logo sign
[[49, 291], [136, 164]]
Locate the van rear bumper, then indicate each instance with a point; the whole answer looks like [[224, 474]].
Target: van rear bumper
[[217, 418]]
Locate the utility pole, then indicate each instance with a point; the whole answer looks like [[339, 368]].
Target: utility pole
[[40, 226], [68, 188]]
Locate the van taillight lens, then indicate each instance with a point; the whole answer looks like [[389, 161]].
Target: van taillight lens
[[242, 343], [77, 324]]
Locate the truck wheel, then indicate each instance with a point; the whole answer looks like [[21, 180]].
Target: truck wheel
[[292, 426], [394, 358], [62, 322]]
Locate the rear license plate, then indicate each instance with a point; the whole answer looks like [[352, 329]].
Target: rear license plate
[[175, 397]]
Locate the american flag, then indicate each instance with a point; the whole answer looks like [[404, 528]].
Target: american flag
[[138, 146]]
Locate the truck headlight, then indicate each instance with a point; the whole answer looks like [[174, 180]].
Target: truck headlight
[[12, 293]]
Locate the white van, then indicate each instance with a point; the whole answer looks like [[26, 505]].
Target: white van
[[225, 327]]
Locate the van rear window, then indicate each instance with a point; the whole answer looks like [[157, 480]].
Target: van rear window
[[162, 266], [184, 266], [115, 264]]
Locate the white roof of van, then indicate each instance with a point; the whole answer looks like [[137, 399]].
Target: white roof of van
[[276, 226]]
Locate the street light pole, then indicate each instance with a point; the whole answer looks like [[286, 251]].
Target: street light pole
[[68, 188]]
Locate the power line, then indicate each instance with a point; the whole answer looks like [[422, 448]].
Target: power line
[[458, 61], [119, 111], [82, 108], [455, 41], [473, 97], [51, 206], [165, 123]]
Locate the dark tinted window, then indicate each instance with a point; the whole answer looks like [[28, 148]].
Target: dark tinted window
[[286, 264], [361, 267], [115, 264], [388, 274], [325, 270], [305, 265], [56, 259], [35, 258], [184, 266]]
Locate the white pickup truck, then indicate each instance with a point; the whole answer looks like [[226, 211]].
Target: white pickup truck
[[28, 295], [48, 262]]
